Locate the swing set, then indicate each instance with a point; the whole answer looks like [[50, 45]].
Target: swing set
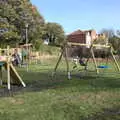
[[90, 55]]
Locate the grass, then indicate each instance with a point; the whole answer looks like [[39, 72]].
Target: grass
[[51, 50], [86, 97]]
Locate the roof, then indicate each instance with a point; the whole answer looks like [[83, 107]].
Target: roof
[[77, 32], [77, 37]]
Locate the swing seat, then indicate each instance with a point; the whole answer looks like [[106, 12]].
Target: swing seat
[[82, 63], [103, 66]]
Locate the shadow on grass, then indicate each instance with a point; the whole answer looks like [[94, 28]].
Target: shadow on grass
[[74, 113], [44, 80], [38, 81], [107, 114], [41, 80]]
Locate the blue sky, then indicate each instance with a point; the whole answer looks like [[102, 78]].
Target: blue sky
[[81, 14]]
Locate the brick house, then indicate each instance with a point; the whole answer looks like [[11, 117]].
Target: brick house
[[84, 37]]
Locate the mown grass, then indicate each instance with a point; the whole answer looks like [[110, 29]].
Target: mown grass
[[87, 96]]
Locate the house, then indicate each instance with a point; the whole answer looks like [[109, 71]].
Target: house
[[84, 37]]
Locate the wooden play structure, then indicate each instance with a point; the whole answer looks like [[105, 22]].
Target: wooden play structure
[[26, 55], [5, 61], [90, 55]]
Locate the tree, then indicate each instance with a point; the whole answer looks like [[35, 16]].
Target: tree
[[101, 39], [15, 14], [113, 38], [115, 41], [108, 32], [105, 36], [18, 13], [7, 29], [55, 33]]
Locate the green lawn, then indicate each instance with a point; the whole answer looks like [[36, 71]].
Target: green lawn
[[86, 96]]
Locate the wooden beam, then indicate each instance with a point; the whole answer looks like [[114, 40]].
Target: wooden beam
[[56, 66], [88, 57], [93, 56], [116, 63], [94, 45], [67, 63], [14, 74], [3, 49], [0, 75], [8, 68]]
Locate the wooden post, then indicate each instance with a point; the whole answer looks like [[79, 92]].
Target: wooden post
[[14, 72], [8, 75], [0, 51], [67, 64], [64, 50], [88, 57], [59, 60], [116, 63], [1, 75], [0, 71], [93, 56], [8, 68]]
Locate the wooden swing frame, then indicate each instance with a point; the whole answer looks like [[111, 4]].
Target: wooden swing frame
[[64, 50]]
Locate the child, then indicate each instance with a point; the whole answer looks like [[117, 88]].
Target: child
[[16, 60]]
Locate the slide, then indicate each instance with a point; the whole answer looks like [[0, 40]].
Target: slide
[[16, 79]]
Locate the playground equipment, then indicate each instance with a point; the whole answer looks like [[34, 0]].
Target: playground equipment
[[5, 61], [25, 55], [90, 55], [103, 66]]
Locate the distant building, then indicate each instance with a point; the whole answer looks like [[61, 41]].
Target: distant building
[[85, 37]]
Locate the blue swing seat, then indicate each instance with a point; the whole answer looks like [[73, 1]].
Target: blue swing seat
[[103, 66]]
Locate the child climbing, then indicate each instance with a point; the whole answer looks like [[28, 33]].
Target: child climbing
[[16, 58]]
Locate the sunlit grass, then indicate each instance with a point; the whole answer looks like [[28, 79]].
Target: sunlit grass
[[87, 96]]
